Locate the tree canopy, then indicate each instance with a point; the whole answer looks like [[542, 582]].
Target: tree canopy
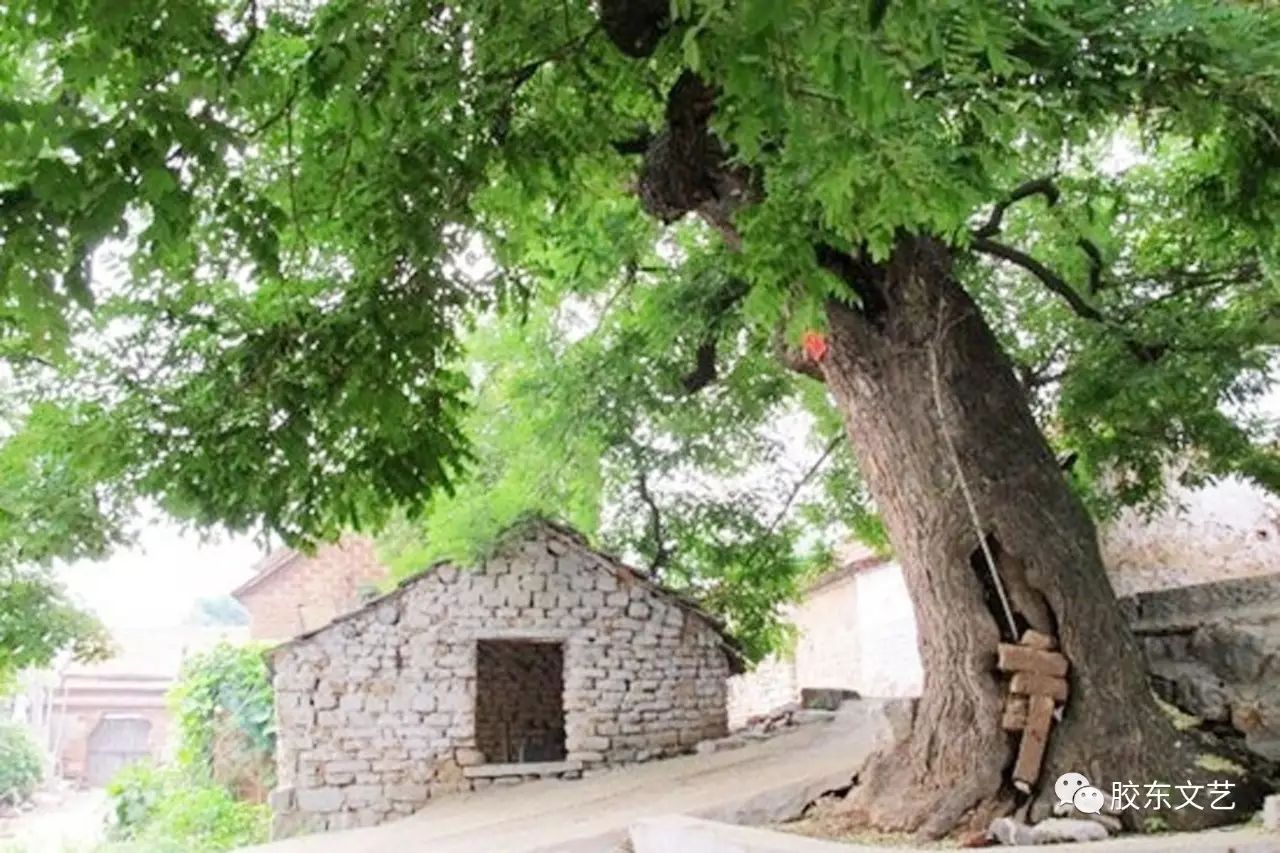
[[304, 266]]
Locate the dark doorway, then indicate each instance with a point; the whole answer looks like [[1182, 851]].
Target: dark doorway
[[520, 701]]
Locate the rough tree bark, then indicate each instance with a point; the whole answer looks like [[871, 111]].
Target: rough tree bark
[[918, 343], [953, 767]]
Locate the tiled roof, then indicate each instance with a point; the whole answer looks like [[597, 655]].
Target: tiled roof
[[266, 567]]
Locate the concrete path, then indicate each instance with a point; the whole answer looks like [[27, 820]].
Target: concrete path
[[748, 785], [690, 835]]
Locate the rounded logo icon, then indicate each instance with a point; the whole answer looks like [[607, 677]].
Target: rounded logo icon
[[1067, 786], [1089, 800]]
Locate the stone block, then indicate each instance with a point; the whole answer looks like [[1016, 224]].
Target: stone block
[[347, 766], [467, 757], [407, 792], [363, 795], [327, 799], [590, 743], [281, 800], [1271, 813], [825, 698]]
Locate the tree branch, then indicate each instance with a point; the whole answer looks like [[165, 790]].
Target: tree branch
[[1095, 263], [704, 370], [804, 481], [1048, 277], [1039, 186], [637, 143], [661, 554]]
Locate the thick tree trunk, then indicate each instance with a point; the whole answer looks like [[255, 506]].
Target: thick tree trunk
[[927, 345], [920, 345]]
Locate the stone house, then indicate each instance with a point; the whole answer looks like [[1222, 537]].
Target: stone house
[[291, 592], [855, 630], [547, 659]]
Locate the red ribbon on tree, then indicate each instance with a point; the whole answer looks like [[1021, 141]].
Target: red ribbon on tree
[[815, 345]]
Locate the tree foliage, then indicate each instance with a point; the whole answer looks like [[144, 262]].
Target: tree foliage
[[244, 244], [38, 621]]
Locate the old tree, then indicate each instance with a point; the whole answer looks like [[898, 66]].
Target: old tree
[[244, 241]]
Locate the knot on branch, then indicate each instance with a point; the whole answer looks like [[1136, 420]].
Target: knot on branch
[[686, 167], [635, 26]]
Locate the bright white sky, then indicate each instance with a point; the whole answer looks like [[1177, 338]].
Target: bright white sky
[[156, 583]]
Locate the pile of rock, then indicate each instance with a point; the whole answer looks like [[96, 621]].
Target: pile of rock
[[1054, 830], [816, 705]]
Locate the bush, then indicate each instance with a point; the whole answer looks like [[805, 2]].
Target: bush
[[135, 792], [21, 765], [209, 800], [207, 819], [225, 710], [159, 806]]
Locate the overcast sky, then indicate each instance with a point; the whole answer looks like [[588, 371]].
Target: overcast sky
[[156, 583]]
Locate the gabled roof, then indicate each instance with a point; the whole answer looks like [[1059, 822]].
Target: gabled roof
[[545, 528], [265, 568]]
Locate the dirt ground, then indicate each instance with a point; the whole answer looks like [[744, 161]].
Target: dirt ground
[[73, 824]]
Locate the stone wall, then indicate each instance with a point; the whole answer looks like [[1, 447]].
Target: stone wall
[[377, 711], [1214, 651], [1225, 530], [770, 684], [857, 630], [827, 649]]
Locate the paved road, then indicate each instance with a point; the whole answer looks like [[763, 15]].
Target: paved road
[[748, 785]]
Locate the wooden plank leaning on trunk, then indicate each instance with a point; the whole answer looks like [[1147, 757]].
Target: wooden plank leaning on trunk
[[1036, 640], [1035, 737], [1014, 718], [1015, 658], [1034, 684]]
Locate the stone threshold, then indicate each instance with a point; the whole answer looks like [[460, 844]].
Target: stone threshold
[[532, 768]]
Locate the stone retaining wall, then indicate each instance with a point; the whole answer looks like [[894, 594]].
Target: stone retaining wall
[[1214, 651], [377, 712]]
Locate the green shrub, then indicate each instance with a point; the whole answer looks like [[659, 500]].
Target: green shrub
[[209, 800], [224, 702], [153, 806], [136, 792], [206, 819], [21, 765]]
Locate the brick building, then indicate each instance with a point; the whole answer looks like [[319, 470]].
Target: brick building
[[291, 592], [547, 659]]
